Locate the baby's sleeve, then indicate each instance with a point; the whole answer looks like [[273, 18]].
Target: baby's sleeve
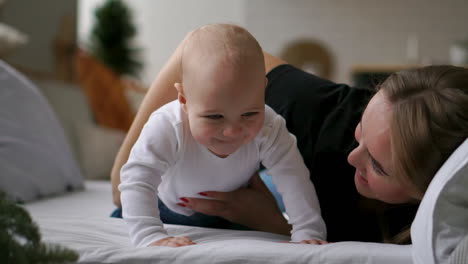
[[283, 161], [153, 153]]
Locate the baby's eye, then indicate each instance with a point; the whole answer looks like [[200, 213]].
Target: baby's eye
[[214, 117], [249, 114]]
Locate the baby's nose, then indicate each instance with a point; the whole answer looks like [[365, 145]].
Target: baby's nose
[[232, 130]]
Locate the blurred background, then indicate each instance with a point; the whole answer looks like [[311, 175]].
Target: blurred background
[[354, 41], [352, 32]]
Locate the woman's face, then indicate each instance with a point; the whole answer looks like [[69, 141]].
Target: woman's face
[[372, 158]]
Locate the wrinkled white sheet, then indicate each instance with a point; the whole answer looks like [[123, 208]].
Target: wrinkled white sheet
[[79, 221]]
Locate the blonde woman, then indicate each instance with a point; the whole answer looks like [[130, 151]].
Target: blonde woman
[[410, 126]]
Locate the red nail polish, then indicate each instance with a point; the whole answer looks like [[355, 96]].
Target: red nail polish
[[203, 194], [185, 200], [181, 204]]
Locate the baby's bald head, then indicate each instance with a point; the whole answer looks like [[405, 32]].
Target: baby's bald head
[[220, 51], [223, 87]]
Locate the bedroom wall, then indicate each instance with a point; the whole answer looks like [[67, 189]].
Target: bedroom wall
[[362, 31], [39, 20], [355, 31], [163, 24]]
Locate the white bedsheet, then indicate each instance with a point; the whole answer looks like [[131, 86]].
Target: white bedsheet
[[80, 221]]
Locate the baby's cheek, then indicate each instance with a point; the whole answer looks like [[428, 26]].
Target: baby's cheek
[[253, 132], [256, 127], [202, 136]]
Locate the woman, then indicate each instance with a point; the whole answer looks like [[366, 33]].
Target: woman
[[410, 127]]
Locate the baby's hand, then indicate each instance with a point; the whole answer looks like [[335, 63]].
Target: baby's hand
[[313, 242], [173, 242]]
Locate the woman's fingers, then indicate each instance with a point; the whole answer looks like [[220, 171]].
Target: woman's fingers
[[221, 196], [206, 206]]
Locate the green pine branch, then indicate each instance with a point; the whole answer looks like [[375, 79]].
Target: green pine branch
[[20, 239]]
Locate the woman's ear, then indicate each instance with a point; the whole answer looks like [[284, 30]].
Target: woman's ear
[[266, 82]]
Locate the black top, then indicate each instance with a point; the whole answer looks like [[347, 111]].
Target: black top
[[323, 115]]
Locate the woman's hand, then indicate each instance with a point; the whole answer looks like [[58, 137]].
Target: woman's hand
[[173, 242], [253, 206]]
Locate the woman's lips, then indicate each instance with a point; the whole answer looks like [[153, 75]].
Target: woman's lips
[[361, 178]]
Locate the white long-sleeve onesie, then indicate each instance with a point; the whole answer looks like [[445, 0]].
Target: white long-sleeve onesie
[[167, 162]]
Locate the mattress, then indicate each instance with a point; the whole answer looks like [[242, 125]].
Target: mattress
[[80, 221]]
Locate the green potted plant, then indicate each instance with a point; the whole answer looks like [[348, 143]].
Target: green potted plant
[[111, 38]]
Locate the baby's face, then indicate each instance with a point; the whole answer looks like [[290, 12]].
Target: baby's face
[[225, 107]]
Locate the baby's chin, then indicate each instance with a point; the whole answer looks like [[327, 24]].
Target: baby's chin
[[227, 149], [222, 154]]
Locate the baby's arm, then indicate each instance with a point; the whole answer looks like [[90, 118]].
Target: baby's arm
[[284, 163], [152, 154]]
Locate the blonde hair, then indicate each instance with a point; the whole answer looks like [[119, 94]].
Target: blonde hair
[[232, 43], [429, 120]]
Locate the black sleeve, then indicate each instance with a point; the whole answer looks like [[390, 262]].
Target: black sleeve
[[323, 115]]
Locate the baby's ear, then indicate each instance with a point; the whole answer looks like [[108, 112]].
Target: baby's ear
[[180, 94], [179, 87]]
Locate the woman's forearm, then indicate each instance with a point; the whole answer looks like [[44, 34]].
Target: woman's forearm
[[161, 92]]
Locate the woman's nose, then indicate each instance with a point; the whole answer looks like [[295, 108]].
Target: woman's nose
[[354, 157]]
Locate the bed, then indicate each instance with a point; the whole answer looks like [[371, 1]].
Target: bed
[[41, 170], [80, 220]]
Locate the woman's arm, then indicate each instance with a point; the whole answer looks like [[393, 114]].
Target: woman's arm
[[253, 206], [161, 92], [271, 62]]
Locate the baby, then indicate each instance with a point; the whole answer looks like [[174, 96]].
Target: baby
[[214, 138]]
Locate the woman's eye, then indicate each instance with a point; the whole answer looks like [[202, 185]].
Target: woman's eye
[[214, 117], [377, 168], [249, 114]]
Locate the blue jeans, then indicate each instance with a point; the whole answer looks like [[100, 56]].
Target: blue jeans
[[202, 220], [197, 219]]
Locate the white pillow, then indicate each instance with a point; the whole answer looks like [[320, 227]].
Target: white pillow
[[71, 107], [98, 147], [442, 218], [35, 157]]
